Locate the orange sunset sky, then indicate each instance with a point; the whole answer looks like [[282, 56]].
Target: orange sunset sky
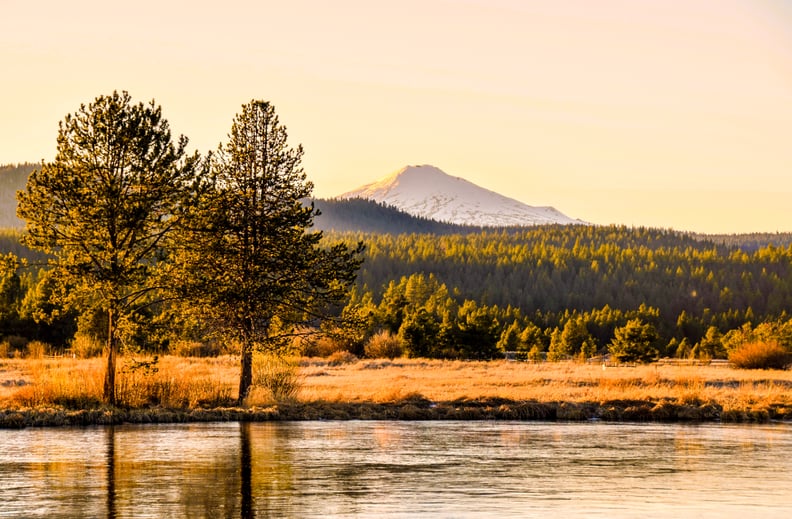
[[664, 113]]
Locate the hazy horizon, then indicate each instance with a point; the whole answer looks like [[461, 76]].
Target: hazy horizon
[[663, 114]]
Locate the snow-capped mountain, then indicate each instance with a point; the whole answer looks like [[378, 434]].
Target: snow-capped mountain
[[429, 192]]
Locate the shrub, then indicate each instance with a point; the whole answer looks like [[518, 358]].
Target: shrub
[[384, 345], [279, 375], [340, 358], [321, 347], [37, 350], [85, 346], [195, 349], [17, 342], [760, 355], [5, 350], [13, 345]]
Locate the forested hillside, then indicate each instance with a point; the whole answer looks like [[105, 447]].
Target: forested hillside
[[750, 242], [367, 216], [581, 267], [560, 290], [595, 277], [12, 179]]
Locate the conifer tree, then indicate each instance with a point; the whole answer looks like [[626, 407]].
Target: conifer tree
[[104, 206], [510, 338], [252, 267], [10, 290], [634, 342]]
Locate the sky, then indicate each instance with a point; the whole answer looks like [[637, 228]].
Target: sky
[[660, 113]]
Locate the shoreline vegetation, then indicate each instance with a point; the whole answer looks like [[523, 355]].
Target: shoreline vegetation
[[68, 392]]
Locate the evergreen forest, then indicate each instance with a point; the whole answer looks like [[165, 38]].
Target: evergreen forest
[[564, 291], [549, 292]]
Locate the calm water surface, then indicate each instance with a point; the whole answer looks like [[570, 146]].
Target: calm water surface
[[398, 469]]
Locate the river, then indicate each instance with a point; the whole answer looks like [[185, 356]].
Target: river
[[398, 469]]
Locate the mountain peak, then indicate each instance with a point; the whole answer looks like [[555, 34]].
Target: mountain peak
[[407, 178], [429, 192]]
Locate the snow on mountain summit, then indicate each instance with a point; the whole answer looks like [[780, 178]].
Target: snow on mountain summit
[[429, 192]]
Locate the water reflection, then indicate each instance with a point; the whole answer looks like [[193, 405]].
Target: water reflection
[[396, 469], [245, 471], [111, 477]]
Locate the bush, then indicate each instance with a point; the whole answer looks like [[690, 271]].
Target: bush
[[37, 350], [384, 345], [321, 347], [5, 350], [340, 358], [13, 346], [760, 355], [195, 349], [279, 375], [85, 346]]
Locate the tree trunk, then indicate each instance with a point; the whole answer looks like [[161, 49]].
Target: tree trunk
[[246, 373], [112, 351]]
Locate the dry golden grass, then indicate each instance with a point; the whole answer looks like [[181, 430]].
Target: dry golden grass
[[212, 382], [77, 383], [442, 381]]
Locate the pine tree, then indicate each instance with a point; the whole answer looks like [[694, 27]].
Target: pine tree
[[104, 206], [10, 293], [251, 265], [634, 342], [510, 338]]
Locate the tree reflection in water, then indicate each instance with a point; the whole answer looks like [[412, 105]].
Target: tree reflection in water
[[189, 471], [245, 472], [198, 470], [111, 491]]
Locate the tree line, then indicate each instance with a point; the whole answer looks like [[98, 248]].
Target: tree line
[[370, 217], [570, 291], [545, 292]]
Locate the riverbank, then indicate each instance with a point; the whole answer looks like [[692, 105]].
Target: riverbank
[[61, 392], [414, 409]]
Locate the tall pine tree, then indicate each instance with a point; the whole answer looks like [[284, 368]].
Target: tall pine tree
[[104, 206], [253, 269]]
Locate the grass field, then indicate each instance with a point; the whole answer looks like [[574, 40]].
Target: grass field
[[382, 381], [210, 383]]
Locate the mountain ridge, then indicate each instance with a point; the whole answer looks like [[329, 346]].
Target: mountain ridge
[[13, 178], [428, 192], [368, 216]]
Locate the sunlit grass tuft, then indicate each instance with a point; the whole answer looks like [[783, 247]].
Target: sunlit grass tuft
[[278, 376], [67, 382]]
